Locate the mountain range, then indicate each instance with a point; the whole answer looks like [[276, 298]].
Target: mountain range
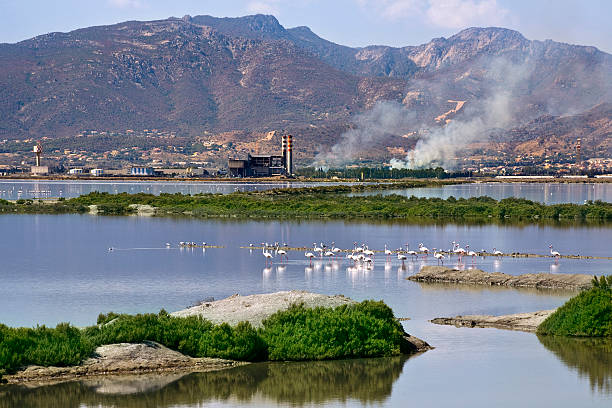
[[201, 76]]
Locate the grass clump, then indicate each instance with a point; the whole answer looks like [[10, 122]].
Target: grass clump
[[367, 329], [589, 314]]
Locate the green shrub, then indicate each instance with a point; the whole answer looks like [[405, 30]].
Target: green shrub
[[63, 346], [367, 329], [587, 314]]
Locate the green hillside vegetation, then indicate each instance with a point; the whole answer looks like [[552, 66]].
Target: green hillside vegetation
[[366, 329], [588, 314], [323, 202]]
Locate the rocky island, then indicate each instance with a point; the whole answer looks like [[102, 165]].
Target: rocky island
[[245, 328]]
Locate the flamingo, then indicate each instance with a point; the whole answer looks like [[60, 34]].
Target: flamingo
[[470, 253], [497, 253], [439, 257], [412, 253], [423, 249], [267, 255], [388, 253], [335, 249], [309, 255], [554, 253], [329, 253], [358, 249], [401, 257], [459, 251], [367, 251], [281, 253]]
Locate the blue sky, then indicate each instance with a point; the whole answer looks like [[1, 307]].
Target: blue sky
[[349, 22]]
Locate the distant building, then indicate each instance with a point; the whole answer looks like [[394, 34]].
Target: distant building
[[39, 170], [142, 171], [96, 172], [75, 171], [265, 165]]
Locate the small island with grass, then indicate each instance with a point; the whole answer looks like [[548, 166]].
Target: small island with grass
[[126, 344]]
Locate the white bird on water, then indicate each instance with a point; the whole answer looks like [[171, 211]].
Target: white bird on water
[[556, 254], [281, 253], [401, 256], [388, 253], [309, 255], [497, 253], [423, 249], [266, 254], [439, 257]]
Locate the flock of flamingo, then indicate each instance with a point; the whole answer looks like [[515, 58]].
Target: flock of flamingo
[[363, 255]]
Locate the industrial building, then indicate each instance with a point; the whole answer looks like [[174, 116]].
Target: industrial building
[[265, 165]]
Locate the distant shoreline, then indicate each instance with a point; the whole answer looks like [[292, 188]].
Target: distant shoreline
[[262, 180]]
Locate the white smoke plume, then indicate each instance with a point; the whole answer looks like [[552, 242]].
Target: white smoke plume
[[437, 146], [385, 118]]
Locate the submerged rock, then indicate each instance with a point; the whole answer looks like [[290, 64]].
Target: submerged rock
[[443, 274], [528, 322]]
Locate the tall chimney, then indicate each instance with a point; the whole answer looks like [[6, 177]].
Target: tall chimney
[[38, 151], [284, 150], [289, 155]]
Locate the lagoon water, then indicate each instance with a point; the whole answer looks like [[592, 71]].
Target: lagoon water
[[16, 189], [58, 268], [548, 193]]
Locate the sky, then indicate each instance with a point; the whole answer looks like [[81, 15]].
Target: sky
[[347, 22]]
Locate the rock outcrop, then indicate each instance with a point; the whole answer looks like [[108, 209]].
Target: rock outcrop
[[256, 308], [123, 358], [528, 322], [443, 274]]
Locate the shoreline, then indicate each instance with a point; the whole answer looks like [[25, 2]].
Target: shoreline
[[284, 179]]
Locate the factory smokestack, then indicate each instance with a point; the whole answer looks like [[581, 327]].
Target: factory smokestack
[[284, 149], [289, 157]]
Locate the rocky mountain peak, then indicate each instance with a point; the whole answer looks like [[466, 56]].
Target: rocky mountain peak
[[258, 26]]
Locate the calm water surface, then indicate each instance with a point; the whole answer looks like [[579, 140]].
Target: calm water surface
[[59, 268], [549, 193], [16, 189]]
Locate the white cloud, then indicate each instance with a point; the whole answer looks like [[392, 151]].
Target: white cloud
[[465, 13], [441, 13], [125, 3], [263, 7]]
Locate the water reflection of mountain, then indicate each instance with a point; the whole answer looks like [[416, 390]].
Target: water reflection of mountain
[[367, 380], [591, 357]]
